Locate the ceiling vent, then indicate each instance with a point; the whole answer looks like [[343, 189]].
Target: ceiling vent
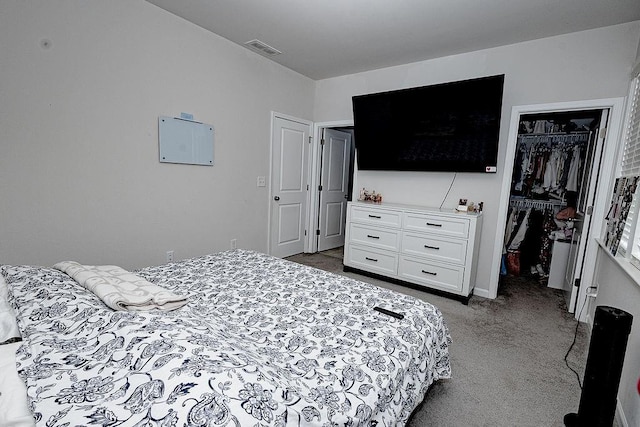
[[262, 48]]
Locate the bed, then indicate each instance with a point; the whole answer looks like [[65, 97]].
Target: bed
[[261, 341]]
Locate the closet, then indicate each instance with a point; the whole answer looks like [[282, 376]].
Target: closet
[[552, 177]]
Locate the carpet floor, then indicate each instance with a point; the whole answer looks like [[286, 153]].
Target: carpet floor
[[507, 357]]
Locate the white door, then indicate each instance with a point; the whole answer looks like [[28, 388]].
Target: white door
[[334, 182], [289, 166], [582, 225]]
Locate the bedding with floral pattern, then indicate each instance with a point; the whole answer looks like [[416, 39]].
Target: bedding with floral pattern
[[262, 341]]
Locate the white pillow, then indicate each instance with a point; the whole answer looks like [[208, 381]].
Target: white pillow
[[14, 409], [8, 325]]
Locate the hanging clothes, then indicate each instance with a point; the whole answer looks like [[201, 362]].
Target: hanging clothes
[[527, 236], [572, 176], [544, 256], [531, 245], [519, 175], [511, 225], [519, 235], [545, 170], [540, 126], [550, 181]]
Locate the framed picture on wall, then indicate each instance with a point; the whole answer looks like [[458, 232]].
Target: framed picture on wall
[[623, 191]]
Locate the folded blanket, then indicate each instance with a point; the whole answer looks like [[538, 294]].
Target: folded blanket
[[121, 289]]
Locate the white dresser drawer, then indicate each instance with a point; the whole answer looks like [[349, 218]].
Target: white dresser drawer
[[434, 247], [372, 260], [441, 276], [446, 226], [429, 247], [384, 217], [379, 237]]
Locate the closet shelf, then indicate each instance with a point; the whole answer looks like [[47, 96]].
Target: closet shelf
[[581, 136], [577, 132], [535, 203]]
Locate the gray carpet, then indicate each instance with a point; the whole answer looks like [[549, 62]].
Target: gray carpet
[[507, 355]]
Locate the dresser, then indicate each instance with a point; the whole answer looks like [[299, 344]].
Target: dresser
[[427, 247]]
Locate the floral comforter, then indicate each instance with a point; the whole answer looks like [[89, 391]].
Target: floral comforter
[[262, 341]]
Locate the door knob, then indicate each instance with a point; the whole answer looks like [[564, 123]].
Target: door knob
[[276, 198], [346, 196]]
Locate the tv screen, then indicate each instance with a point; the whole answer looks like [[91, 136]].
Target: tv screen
[[445, 127]]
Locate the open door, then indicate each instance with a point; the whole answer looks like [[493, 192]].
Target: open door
[[584, 210], [334, 188]]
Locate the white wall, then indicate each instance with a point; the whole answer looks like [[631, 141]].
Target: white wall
[[617, 289], [79, 171], [579, 66]]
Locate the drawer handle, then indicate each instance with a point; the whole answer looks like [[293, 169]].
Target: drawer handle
[[370, 259], [375, 216], [429, 272], [372, 237], [434, 225], [432, 247]]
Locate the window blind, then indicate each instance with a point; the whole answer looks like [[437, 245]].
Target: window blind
[[631, 167], [631, 153]]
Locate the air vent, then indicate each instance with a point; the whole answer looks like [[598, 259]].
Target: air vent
[[262, 48]]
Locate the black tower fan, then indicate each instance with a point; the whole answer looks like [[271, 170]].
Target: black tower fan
[[611, 328]]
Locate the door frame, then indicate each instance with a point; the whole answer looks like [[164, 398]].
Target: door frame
[[607, 171], [309, 123], [311, 244]]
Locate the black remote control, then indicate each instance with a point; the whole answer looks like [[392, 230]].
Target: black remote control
[[389, 312]]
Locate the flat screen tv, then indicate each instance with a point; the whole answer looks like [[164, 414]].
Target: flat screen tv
[[445, 127]]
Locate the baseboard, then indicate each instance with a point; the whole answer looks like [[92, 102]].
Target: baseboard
[[620, 418], [484, 293]]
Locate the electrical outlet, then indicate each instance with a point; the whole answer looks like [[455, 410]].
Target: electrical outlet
[[169, 256], [234, 244], [262, 181]]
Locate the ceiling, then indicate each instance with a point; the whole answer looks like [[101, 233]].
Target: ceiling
[[328, 38]]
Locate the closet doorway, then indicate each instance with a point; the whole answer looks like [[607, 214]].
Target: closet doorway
[[554, 182], [571, 216]]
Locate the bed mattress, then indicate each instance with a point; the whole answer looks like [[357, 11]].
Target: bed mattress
[[261, 341]]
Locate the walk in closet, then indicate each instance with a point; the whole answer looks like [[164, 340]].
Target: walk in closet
[[552, 177]]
